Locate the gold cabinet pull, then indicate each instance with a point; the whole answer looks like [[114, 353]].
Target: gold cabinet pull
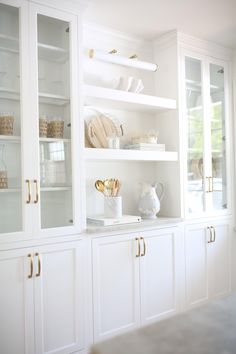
[[29, 191], [139, 247], [210, 230], [37, 192], [208, 184], [214, 233], [144, 247], [39, 265], [31, 266], [211, 185]]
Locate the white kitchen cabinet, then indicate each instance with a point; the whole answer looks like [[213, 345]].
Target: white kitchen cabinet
[[39, 83], [160, 269], [206, 111], [42, 301], [208, 270], [115, 285], [16, 303], [135, 280]]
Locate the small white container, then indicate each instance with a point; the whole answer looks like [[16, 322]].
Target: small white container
[[113, 207]]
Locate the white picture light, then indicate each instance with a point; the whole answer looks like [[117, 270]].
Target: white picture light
[[118, 59]]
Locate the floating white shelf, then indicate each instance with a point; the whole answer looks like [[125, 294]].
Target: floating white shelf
[[52, 140], [52, 53], [119, 99], [129, 155], [48, 98], [10, 138], [54, 189], [9, 94]]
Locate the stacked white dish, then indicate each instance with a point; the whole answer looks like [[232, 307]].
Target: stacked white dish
[[129, 84]]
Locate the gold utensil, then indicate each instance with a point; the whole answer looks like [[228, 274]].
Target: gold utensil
[[99, 185], [117, 187]]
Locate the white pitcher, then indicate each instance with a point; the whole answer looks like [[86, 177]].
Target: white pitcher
[[149, 201]]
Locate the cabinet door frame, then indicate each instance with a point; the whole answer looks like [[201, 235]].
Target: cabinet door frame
[[28, 284], [177, 273], [79, 296], [206, 237], [26, 129], [96, 244], [76, 144], [206, 60], [213, 255]]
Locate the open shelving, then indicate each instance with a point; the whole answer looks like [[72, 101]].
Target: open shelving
[[119, 99], [129, 155]]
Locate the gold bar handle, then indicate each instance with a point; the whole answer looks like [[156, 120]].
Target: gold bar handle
[[210, 230], [37, 191], [144, 247], [31, 266], [39, 265], [139, 247], [211, 185], [29, 191], [214, 233]]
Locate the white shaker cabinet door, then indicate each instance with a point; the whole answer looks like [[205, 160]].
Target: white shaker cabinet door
[[196, 238], [219, 260], [115, 285], [158, 280], [59, 298], [16, 302]]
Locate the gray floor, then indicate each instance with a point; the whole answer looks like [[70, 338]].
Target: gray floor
[[210, 329]]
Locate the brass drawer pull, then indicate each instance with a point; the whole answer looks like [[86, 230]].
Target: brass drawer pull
[[214, 233], [31, 266], [37, 191], [39, 265], [29, 191], [139, 247], [210, 230], [144, 247], [211, 184]]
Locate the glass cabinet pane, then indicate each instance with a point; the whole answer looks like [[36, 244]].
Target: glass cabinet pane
[[219, 197], [10, 122], [54, 122], [195, 128]]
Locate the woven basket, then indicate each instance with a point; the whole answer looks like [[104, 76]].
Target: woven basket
[[3, 180], [55, 129], [6, 124], [43, 126]]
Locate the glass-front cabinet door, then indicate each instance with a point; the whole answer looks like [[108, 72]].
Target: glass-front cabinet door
[[55, 116], [207, 154], [14, 185]]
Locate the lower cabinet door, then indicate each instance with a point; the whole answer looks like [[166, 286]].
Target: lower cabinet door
[[115, 285], [208, 260], [196, 238], [59, 298], [16, 302], [219, 260], [158, 280]]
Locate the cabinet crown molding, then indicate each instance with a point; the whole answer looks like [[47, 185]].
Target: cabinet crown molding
[[74, 6], [202, 46]]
